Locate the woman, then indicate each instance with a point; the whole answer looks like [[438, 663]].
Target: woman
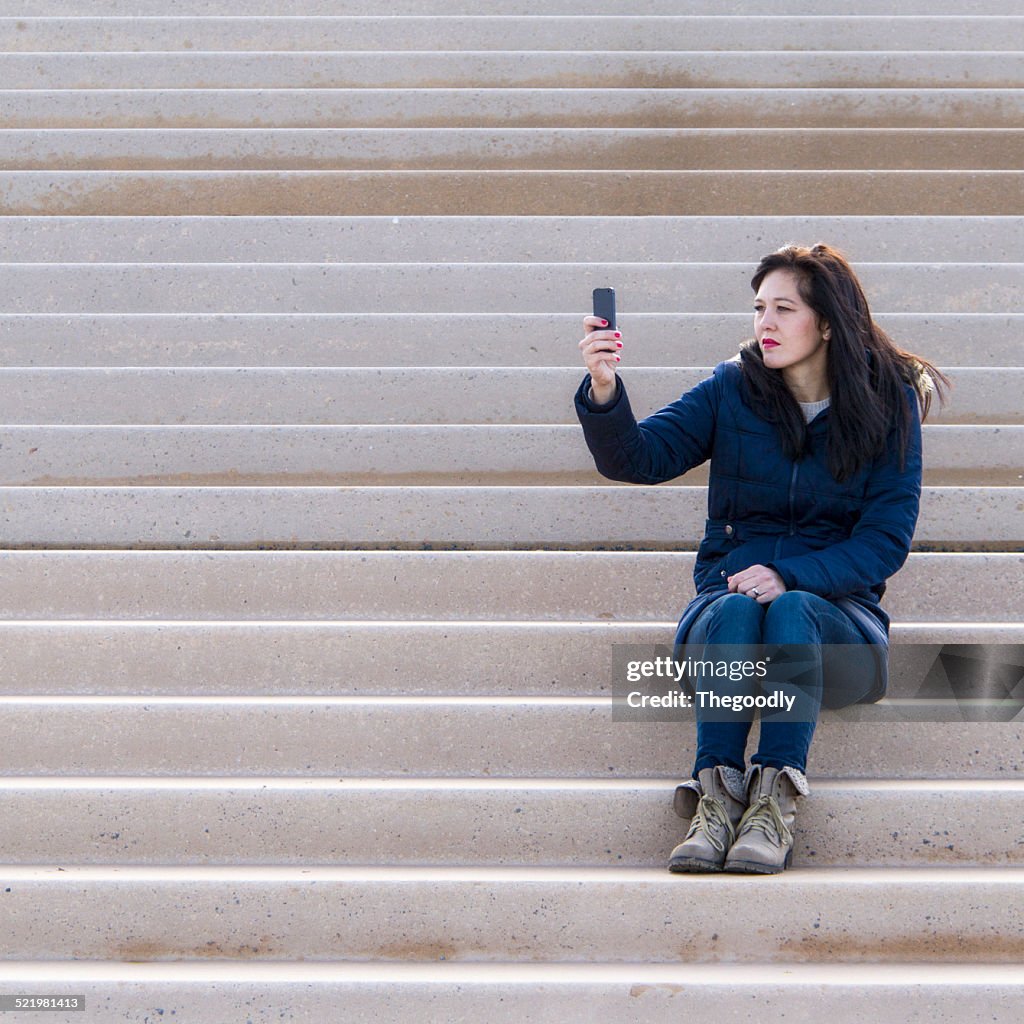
[[814, 436]]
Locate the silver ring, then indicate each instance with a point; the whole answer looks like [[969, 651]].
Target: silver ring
[[756, 592]]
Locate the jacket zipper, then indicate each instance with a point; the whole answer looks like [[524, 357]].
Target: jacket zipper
[[792, 488]]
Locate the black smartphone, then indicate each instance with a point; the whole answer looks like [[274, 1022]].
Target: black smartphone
[[604, 306]]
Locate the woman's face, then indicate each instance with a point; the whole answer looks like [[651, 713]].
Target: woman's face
[[787, 328]]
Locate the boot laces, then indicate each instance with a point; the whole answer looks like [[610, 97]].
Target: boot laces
[[712, 820], [765, 816]]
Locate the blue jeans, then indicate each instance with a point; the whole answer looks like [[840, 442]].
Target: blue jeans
[[836, 677]]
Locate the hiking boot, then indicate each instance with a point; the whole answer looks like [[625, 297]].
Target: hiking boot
[[714, 812], [764, 842]]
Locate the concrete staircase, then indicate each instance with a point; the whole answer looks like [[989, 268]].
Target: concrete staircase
[[308, 587]]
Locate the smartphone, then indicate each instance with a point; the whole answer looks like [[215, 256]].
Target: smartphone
[[604, 306]]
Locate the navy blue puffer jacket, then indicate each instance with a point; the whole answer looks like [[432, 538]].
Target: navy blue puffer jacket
[[841, 541]]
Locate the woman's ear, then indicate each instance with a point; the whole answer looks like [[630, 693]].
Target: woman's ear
[[826, 332]]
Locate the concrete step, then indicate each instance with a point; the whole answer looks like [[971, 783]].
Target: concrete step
[[512, 32], [496, 288], [481, 586], [453, 658], [512, 108], [456, 339], [71, 513], [825, 915], [525, 193], [531, 68], [430, 395], [481, 737], [518, 148], [468, 239], [568, 992], [490, 459], [516, 822], [463, 8]]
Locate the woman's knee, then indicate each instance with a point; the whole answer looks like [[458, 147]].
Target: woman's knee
[[800, 599], [735, 618], [793, 617], [735, 606]]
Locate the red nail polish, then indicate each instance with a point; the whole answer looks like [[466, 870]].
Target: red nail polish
[[605, 322], [618, 334], [617, 359], [619, 343]]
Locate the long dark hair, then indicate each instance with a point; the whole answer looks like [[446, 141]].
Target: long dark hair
[[866, 369]]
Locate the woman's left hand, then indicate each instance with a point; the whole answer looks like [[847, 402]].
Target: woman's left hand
[[759, 582]]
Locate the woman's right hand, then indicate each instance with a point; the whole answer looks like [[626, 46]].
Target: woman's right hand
[[600, 350]]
